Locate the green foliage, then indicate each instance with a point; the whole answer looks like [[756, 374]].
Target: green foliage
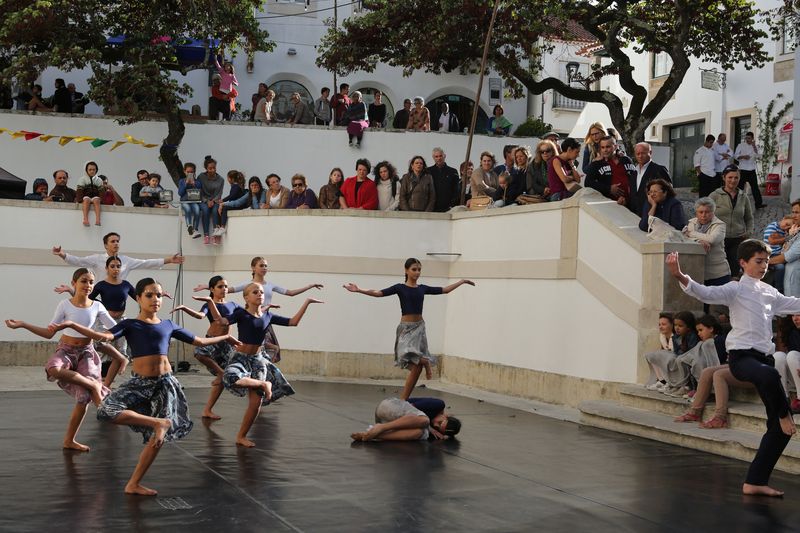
[[784, 21], [533, 127], [769, 121]]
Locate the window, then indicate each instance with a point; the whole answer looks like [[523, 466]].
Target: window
[[562, 102], [662, 64], [282, 106], [787, 41], [741, 125]]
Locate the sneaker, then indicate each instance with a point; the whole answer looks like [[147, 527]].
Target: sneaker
[[206, 239], [196, 234], [657, 386], [190, 229], [215, 232], [221, 231], [675, 392], [217, 240]]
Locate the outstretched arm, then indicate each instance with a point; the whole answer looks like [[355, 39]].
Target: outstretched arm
[[457, 284], [300, 312], [352, 287], [61, 289], [722, 295], [102, 336], [206, 341], [189, 311], [212, 308], [674, 267], [295, 292], [46, 333]]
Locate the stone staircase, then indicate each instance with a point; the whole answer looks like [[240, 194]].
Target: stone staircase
[[650, 414]]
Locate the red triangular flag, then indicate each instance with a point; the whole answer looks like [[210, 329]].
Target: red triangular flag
[[31, 135]]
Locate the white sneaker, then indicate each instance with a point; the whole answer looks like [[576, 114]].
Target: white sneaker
[[654, 386], [221, 231], [196, 235], [215, 233]]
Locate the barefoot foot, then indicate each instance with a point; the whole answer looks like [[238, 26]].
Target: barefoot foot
[[761, 490], [211, 415], [160, 431], [86, 223], [247, 443], [787, 425], [360, 436], [96, 392], [139, 490], [75, 445]]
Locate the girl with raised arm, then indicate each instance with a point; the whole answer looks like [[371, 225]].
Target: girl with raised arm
[[215, 357], [152, 402], [411, 341], [75, 364], [249, 373]]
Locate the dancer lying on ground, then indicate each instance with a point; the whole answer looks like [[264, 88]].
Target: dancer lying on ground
[[411, 341], [152, 402], [75, 364], [752, 305], [412, 419]]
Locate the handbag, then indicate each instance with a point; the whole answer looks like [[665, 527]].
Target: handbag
[[192, 195], [478, 203], [528, 199]]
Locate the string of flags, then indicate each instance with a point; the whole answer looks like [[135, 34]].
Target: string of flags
[[64, 140]]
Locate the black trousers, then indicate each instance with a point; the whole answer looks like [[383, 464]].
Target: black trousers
[[749, 176], [732, 253], [707, 184], [758, 369]]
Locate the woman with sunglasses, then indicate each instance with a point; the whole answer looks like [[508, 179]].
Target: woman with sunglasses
[[301, 197], [536, 175]]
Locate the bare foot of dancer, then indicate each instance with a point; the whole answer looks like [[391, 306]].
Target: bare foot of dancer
[[75, 445], [247, 443], [97, 392], [761, 490], [371, 433], [211, 415], [140, 490], [787, 425], [158, 434]]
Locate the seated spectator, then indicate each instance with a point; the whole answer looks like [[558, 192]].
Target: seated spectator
[[322, 108], [516, 183], [536, 175], [191, 209], [388, 185], [237, 190], [36, 103], [663, 205], [417, 192], [419, 118], [775, 236], [612, 174], [508, 159], [301, 197], [264, 108], [445, 181], [339, 104], [277, 194], [709, 232], [142, 180], [658, 377], [483, 181], [465, 170], [78, 100], [721, 379], [498, 124], [110, 195], [88, 191], [787, 356], [302, 114], [684, 339], [359, 192], [447, 121], [151, 194], [401, 117], [254, 198], [60, 192], [330, 192], [377, 111], [211, 185], [562, 176], [62, 100], [355, 116], [256, 98], [553, 137], [38, 191], [683, 372]]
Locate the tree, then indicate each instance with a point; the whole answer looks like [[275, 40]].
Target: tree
[[133, 78], [441, 35]]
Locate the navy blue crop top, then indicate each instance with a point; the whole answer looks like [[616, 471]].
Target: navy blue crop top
[[253, 329], [410, 297], [225, 310], [150, 339], [113, 296]]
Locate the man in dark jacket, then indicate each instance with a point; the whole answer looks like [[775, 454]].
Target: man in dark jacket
[[611, 175], [445, 182], [62, 99], [646, 170], [142, 176], [77, 98], [61, 193], [401, 117]]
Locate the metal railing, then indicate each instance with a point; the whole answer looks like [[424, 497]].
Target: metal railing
[[562, 102]]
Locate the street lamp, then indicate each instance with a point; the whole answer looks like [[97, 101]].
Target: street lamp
[[574, 75]]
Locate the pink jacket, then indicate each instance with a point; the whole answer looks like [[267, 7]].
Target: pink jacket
[[228, 80]]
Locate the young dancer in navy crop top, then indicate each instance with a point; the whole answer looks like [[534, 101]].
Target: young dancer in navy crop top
[[152, 402], [216, 356], [249, 372], [411, 340], [75, 364]]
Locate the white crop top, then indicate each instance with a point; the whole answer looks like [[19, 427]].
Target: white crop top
[[85, 316], [268, 287]]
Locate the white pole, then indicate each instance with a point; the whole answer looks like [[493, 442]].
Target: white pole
[[795, 194]]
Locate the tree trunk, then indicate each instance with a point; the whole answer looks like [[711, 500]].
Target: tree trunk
[[169, 148]]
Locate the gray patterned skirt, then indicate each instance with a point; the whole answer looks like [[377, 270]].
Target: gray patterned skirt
[[220, 353], [411, 344], [256, 367], [159, 397]]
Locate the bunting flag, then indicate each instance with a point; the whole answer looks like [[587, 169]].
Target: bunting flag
[[63, 140]]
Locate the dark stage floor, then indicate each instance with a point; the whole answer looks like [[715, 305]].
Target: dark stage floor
[[510, 471]]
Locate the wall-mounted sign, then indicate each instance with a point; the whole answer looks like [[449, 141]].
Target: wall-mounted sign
[[495, 91]]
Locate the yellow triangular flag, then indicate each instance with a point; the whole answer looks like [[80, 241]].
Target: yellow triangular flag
[[18, 134], [45, 138], [3, 130], [149, 145], [133, 140], [83, 139], [116, 145], [64, 140]]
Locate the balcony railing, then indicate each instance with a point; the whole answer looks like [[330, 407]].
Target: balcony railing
[[562, 102]]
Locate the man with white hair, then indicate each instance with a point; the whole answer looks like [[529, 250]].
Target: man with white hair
[[445, 182], [646, 170]]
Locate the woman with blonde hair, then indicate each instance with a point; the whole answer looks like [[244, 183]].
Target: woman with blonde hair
[[591, 150], [536, 175]]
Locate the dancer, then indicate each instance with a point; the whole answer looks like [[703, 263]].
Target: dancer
[[249, 372], [75, 364], [259, 267], [152, 402], [411, 342], [97, 262], [752, 305], [412, 419], [216, 356]]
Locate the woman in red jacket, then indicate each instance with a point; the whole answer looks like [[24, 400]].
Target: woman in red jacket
[[359, 192]]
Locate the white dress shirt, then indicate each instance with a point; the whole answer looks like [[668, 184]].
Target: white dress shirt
[[719, 162], [444, 121], [704, 158], [97, 264], [747, 149], [752, 304], [640, 170]]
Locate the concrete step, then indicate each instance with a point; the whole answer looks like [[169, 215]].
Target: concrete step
[[744, 415], [734, 443]]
